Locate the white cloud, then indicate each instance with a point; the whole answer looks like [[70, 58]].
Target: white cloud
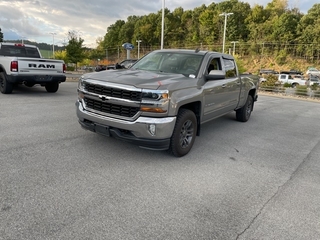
[[36, 19]]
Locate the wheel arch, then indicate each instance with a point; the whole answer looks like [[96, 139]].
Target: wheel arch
[[196, 108], [2, 69], [253, 93]]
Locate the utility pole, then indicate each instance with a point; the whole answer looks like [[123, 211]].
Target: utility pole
[[225, 27], [162, 23], [53, 43], [138, 41], [234, 47]]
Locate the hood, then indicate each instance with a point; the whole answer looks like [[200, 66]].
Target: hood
[[141, 79]]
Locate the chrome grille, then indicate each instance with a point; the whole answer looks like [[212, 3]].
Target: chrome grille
[[113, 92], [109, 108]]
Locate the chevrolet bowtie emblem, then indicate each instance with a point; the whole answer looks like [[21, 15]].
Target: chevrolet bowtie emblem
[[103, 98]]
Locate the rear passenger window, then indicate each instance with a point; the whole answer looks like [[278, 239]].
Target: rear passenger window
[[230, 68]]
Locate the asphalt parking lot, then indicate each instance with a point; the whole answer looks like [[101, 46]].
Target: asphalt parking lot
[[254, 180]]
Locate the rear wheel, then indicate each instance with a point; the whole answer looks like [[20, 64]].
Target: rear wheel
[[52, 87], [243, 114], [184, 133], [5, 86]]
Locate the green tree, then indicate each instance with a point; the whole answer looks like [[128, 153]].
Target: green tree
[[146, 30], [209, 26], [285, 28], [112, 38], [62, 55], [126, 33], [187, 22], [75, 50]]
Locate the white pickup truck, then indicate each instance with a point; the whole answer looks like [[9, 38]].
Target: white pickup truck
[[293, 80], [23, 64]]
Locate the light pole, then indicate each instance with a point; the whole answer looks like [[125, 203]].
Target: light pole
[[225, 27], [138, 41], [53, 43], [234, 47], [162, 24]]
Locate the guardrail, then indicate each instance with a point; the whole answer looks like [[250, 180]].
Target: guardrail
[[306, 92]]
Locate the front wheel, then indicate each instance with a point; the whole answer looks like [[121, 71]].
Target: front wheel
[[52, 87], [184, 133], [5, 86], [243, 114]]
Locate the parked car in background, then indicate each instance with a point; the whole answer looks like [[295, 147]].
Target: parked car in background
[[125, 64], [286, 78], [100, 68], [313, 80], [298, 77], [23, 64], [313, 71]]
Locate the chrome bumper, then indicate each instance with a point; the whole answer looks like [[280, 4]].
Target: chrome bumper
[[138, 129]]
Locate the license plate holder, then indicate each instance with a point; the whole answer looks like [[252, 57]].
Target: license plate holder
[[43, 78], [103, 130]]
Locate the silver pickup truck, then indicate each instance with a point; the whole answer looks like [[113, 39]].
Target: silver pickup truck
[[162, 100], [23, 64]]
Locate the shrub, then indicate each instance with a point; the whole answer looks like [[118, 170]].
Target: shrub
[[271, 80], [287, 85], [314, 86], [272, 84], [70, 68]]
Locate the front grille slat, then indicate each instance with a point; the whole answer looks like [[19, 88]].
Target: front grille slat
[[113, 92], [109, 108]]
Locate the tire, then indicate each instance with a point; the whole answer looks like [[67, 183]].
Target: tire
[[52, 87], [184, 133], [5, 86], [243, 114]]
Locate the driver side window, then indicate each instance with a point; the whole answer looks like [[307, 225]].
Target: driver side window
[[214, 65]]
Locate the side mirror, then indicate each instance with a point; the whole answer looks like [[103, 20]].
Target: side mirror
[[215, 75]]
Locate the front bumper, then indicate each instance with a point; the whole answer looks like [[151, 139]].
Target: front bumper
[[135, 132]]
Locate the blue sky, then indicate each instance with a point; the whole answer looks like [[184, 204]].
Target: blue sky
[[50, 21]]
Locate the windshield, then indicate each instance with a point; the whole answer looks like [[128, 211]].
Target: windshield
[[170, 62]]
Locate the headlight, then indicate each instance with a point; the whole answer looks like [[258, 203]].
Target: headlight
[[154, 101], [154, 95], [81, 84]]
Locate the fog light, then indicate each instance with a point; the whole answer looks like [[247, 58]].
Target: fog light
[[152, 129]]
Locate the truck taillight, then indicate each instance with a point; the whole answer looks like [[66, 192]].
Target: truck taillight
[[14, 66], [64, 68]]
